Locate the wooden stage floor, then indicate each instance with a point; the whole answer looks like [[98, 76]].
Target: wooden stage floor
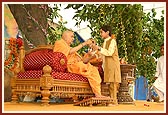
[[138, 107]]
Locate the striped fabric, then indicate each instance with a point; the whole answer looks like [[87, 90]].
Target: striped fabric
[[38, 59], [69, 76], [59, 62], [30, 74], [36, 74], [35, 61]]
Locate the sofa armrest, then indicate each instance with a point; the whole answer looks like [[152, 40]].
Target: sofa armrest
[[37, 58], [59, 62]]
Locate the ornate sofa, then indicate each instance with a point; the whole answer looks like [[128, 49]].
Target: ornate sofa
[[43, 72]]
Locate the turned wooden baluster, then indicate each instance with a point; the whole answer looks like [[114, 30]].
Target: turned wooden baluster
[[21, 58], [46, 83], [13, 85]]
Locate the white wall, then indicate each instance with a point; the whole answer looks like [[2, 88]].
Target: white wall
[[85, 33]]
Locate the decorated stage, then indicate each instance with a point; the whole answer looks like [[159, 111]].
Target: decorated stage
[[138, 107]]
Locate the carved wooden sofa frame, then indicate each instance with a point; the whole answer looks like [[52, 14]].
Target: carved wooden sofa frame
[[46, 85]]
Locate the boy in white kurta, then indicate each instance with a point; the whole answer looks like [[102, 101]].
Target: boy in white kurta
[[159, 84]]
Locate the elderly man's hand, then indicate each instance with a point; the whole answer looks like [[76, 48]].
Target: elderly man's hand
[[93, 41], [88, 42], [94, 47]]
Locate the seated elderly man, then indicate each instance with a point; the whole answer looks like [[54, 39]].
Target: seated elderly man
[[75, 62]]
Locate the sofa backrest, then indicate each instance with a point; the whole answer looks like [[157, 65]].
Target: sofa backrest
[[36, 60]]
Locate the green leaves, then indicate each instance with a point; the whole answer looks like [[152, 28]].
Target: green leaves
[[139, 35]]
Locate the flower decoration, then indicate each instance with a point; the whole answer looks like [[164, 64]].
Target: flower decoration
[[14, 46], [19, 42]]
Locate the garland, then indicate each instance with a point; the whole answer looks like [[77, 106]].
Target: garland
[[13, 58]]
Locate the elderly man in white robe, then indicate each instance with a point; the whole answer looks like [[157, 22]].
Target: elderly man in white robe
[[160, 82]]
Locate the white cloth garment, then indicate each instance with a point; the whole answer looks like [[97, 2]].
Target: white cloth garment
[[160, 82]]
